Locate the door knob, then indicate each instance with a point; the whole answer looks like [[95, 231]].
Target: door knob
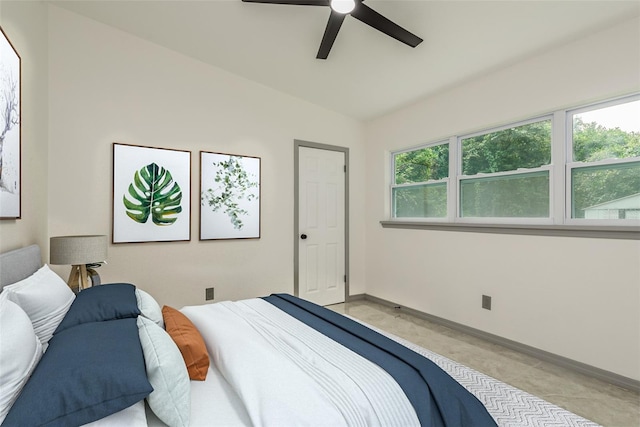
[[303, 236]]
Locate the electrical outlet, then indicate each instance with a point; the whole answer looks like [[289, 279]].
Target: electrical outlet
[[486, 302], [208, 294]]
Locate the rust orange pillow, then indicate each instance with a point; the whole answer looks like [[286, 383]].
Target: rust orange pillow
[[189, 341]]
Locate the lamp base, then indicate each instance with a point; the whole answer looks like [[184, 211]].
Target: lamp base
[[79, 278]]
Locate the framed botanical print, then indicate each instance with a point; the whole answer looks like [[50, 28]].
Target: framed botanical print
[[10, 130], [151, 194], [229, 196]]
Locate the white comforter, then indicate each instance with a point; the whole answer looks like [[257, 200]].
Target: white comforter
[[286, 373]]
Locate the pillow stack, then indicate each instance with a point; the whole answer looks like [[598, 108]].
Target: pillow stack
[[106, 349], [93, 365]]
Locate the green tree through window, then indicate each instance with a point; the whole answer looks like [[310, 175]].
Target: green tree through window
[[487, 192], [427, 167], [425, 164], [508, 172], [527, 146]]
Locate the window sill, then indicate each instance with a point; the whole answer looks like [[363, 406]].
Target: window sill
[[599, 232]]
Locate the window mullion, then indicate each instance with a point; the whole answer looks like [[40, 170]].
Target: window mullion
[[605, 162], [455, 163], [420, 184], [559, 152], [392, 180], [521, 171]]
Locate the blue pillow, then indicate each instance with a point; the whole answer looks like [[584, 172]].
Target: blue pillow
[[100, 303], [88, 372]]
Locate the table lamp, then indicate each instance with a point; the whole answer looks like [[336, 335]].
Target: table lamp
[[78, 251]]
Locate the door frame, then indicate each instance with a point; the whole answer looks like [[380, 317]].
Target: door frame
[[296, 209]]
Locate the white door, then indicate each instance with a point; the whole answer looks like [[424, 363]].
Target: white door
[[321, 225]]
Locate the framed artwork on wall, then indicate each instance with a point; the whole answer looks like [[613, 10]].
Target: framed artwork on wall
[[229, 196], [151, 194], [10, 130]]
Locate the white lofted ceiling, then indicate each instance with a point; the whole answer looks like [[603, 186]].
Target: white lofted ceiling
[[367, 74]]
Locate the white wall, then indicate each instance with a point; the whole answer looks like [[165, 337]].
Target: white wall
[[579, 298], [108, 86], [25, 23], [575, 297]]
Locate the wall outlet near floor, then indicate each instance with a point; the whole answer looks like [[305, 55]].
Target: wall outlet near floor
[[486, 302], [208, 294]]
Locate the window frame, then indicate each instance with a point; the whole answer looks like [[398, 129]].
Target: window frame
[[447, 181], [559, 169], [571, 164], [505, 220]]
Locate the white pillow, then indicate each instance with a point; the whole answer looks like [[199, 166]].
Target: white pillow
[[45, 297], [149, 308], [20, 352], [170, 399]]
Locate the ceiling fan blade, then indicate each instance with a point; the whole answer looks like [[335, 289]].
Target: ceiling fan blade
[[293, 2], [330, 33], [372, 18]]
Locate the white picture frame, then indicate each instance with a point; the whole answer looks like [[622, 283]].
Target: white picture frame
[[10, 130], [230, 193], [151, 194]]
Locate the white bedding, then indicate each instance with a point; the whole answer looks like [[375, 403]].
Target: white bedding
[[286, 373], [133, 416], [213, 403]]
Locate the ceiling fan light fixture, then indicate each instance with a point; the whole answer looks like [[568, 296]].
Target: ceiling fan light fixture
[[343, 6]]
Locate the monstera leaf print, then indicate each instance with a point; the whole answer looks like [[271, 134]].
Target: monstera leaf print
[[153, 192]]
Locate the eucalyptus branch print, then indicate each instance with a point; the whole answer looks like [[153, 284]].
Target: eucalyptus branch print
[[232, 184], [153, 193]]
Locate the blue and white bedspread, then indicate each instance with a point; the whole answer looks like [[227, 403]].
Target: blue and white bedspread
[[295, 363]]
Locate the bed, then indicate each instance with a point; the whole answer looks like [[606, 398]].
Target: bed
[[110, 356]]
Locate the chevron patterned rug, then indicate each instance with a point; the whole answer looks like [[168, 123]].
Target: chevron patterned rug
[[509, 406]]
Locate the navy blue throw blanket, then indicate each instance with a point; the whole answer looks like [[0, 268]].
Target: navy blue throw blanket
[[438, 399]]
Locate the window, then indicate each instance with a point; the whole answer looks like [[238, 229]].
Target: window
[[533, 172], [505, 173], [604, 169], [420, 182]]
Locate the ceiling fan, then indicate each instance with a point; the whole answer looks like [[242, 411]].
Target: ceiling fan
[[356, 8]]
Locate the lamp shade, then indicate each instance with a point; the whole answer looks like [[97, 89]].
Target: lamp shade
[[77, 250]]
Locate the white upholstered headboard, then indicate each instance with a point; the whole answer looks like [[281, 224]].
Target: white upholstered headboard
[[19, 264]]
